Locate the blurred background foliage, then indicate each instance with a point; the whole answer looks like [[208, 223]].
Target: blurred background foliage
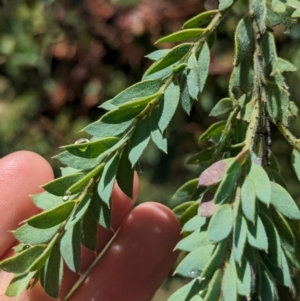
[[60, 59]]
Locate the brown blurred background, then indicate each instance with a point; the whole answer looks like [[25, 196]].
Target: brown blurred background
[[60, 59]]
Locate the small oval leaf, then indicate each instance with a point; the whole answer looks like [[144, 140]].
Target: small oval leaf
[[52, 217], [220, 224], [181, 35], [283, 202]]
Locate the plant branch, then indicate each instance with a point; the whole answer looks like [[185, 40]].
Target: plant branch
[[289, 137]]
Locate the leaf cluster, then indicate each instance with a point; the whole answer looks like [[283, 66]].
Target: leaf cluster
[[238, 219], [239, 222]]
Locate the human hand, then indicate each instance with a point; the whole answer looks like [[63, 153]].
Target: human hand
[[134, 265]]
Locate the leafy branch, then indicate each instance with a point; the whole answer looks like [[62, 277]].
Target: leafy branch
[[236, 216]]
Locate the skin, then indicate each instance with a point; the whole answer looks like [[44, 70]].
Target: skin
[[132, 268]]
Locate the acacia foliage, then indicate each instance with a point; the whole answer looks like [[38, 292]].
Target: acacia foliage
[[239, 221]]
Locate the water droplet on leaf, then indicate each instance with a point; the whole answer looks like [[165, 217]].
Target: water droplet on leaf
[[82, 140], [195, 273], [66, 196], [26, 247]]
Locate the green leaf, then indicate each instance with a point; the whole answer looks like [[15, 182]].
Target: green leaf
[[168, 105], [100, 210], [246, 108], [89, 229], [141, 89], [181, 35], [70, 248], [293, 109], [296, 162], [52, 273], [135, 105], [244, 277], [213, 132], [269, 49], [121, 115], [257, 236], [213, 291], [224, 4], [80, 185], [180, 68], [194, 223], [77, 162], [157, 54], [21, 262], [222, 107], [283, 275], [107, 129], [285, 66], [274, 18], [216, 259], [190, 212], [125, 173], [186, 100], [199, 67], [186, 191], [283, 202], [267, 289], [46, 201], [79, 211], [241, 79], [52, 217], [177, 69], [91, 149], [259, 13], [197, 259], [229, 284], [18, 284], [32, 236], [180, 209], [227, 185], [221, 223], [41, 259], [287, 279], [278, 5], [165, 63], [107, 179], [156, 135], [139, 140], [278, 104], [261, 182], [60, 186], [274, 251], [196, 298], [186, 292], [286, 233], [66, 171], [202, 158], [193, 241], [200, 20], [239, 237], [244, 40], [248, 199]]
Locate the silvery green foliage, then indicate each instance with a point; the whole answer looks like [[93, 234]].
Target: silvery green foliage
[[239, 221]]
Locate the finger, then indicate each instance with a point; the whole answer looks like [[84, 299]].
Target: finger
[[22, 173], [139, 258], [121, 205]]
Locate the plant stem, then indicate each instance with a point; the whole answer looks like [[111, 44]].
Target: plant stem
[[89, 269], [290, 138]]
